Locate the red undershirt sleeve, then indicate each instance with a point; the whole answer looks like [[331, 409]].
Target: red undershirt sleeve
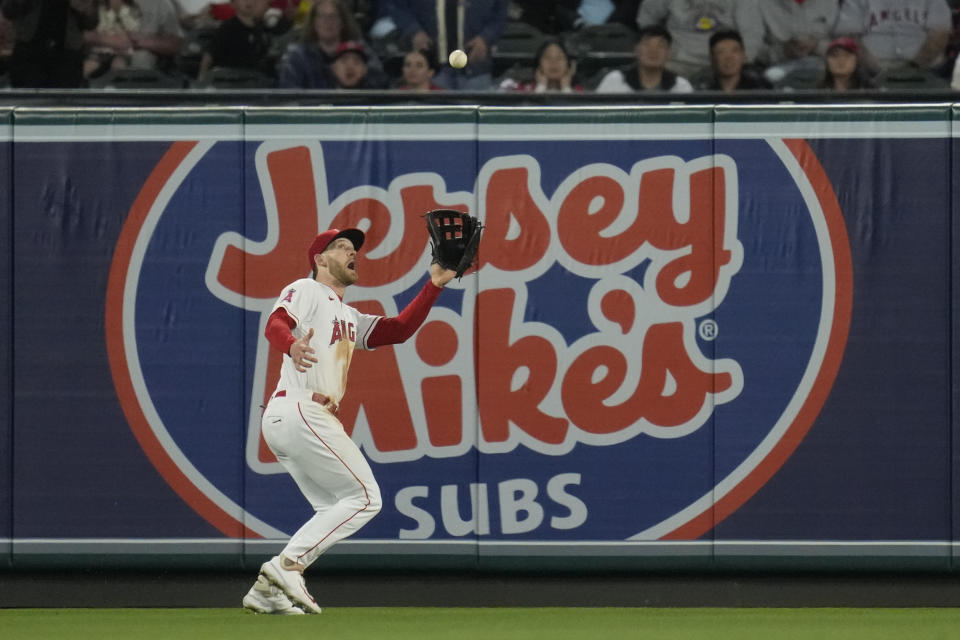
[[278, 330], [399, 329]]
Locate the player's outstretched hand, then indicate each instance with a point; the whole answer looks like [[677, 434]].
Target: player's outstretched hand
[[301, 352], [440, 276]]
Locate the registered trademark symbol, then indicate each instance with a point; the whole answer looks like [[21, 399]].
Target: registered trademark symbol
[[708, 329]]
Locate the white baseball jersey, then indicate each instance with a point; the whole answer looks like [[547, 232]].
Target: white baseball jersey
[[337, 329], [893, 31]]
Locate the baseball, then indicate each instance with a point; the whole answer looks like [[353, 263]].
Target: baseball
[[458, 59]]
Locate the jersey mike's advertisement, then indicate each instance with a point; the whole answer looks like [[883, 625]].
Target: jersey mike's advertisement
[[649, 350]]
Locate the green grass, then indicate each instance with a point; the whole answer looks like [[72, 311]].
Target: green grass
[[502, 623]]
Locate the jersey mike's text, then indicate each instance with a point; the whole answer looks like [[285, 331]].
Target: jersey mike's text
[[518, 505], [658, 244]]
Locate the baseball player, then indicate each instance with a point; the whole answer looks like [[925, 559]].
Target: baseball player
[[318, 333]]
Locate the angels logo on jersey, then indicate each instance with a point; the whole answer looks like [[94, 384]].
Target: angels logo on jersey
[[653, 329], [342, 330]]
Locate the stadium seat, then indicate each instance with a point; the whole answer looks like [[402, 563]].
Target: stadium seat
[[233, 78], [390, 49], [909, 78], [137, 79], [701, 79], [592, 81], [604, 45], [520, 73], [797, 78], [518, 44], [195, 43]]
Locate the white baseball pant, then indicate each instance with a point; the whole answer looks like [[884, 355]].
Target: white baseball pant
[[310, 443]]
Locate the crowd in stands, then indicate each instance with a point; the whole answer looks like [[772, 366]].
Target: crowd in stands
[[603, 46]]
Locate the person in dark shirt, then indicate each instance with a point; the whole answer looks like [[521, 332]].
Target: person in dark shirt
[[474, 27], [246, 40], [727, 57], [49, 49], [306, 63]]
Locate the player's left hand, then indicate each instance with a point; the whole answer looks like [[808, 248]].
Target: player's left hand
[[302, 353], [440, 276]]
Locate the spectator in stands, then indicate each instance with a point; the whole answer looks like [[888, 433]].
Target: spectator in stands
[[301, 12], [306, 63], [955, 76], [194, 14], [650, 72], [558, 16], [796, 34], [895, 33], [157, 42], [548, 16], [728, 62], [419, 67], [474, 27], [49, 49], [117, 18], [222, 11], [363, 11], [7, 38], [693, 22], [594, 12], [842, 68], [349, 67], [554, 71], [246, 41]]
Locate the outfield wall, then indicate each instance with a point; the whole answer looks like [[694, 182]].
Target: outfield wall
[[699, 337]]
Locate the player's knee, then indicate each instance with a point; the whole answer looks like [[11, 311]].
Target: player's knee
[[367, 501], [374, 501]]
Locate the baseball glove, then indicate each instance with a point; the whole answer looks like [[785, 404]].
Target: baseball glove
[[454, 239]]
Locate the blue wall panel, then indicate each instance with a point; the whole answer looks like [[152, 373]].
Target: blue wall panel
[[6, 335], [78, 469], [873, 464], [726, 327]]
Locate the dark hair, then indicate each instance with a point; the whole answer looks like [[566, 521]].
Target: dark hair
[[860, 79], [548, 43], [727, 34], [655, 31], [349, 29], [430, 55]]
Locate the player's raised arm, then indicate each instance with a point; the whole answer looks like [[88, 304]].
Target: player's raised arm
[[440, 276], [399, 328], [454, 241]]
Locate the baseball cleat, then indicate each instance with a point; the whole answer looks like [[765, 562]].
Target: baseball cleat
[[291, 583], [264, 597]]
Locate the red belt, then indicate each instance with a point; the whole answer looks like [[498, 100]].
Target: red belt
[[313, 396]]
